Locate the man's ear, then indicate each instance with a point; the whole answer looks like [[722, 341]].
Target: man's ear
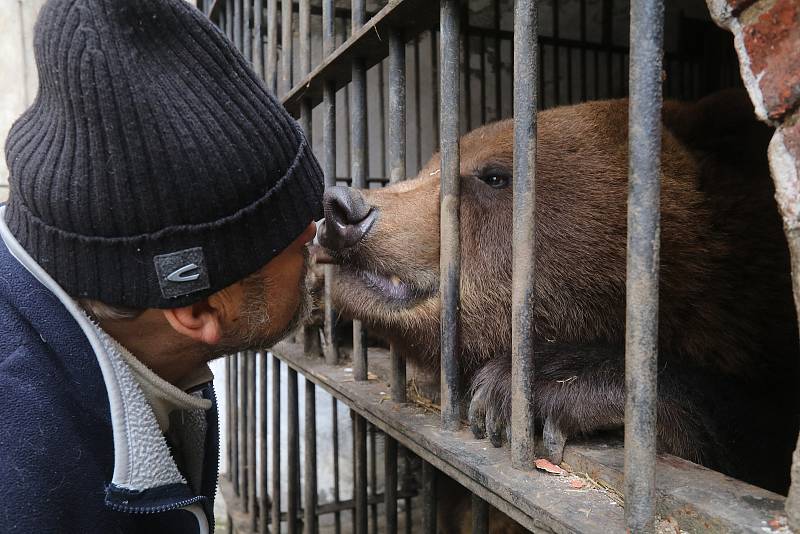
[[200, 322]]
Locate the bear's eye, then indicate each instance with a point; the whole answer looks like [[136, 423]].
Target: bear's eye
[[495, 180]]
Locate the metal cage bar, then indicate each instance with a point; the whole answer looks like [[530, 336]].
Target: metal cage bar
[[450, 248], [358, 163], [390, 454], [337, 517], [526, 72], [293, 463], [276, 445], [234, 429], [310, 489], [397, 167], [251, 437], [247, 30], [641, 331], [263, 498], [237, 23], [272, 46], [480, 515], [258, 35], [244, 463], [360, 476], [429, 501], [331, 349], [287, 39]]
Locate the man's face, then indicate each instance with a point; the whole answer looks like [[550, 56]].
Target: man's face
[[272, 302]]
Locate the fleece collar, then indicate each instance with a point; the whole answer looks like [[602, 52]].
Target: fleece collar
[[143, 464]]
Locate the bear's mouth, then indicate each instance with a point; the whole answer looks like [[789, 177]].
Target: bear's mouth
[[389, 288]]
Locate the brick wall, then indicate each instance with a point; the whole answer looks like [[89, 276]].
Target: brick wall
[[767, 38]]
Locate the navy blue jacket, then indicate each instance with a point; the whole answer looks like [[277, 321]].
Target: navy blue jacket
[[57, 441]]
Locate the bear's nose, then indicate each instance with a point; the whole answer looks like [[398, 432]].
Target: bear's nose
[[348, 217]]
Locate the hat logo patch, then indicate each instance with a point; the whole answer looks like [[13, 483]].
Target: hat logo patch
[[181, 273]]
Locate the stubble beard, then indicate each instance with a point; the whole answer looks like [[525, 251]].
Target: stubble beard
[[252, 330]]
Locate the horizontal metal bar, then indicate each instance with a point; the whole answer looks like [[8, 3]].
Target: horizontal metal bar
[[370, 43], [712, 503]]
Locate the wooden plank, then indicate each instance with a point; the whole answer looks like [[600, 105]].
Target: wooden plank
[[699, 499], [370, 43]]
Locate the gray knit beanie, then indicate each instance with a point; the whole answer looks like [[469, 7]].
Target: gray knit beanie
[[154, 167]]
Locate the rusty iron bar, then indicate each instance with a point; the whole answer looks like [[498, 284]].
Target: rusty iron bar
[[304, 28], [331, 349], [405, 485], [293, 436], [311, 340], [466, 54], [251, 437], [450, 255], [258, 32], [434, 88], [272, 46], [582, 11], [229, 19], [328, 28], [556, 55], [237, 24], [397, 168], [641, 326], [498, 58], [483, 78], [263, 499], [337, 517], [247, 31], [358, 162], [373, 478], [244, 464], [360, 478], [417, 103], [276, 445], [228, 417], [390, 483], [429, 501], [286, 48], [480, 515], [310, 489], [526, 72], [234, 428]]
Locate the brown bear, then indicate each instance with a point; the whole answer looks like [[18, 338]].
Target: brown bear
[[728, 341]]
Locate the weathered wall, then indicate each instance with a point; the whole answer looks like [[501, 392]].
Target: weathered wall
[[19, 81], [767, 38]]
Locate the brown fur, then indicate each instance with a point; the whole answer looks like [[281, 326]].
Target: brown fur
[[727, 330]]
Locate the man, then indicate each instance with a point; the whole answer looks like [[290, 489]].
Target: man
[[160, 205]]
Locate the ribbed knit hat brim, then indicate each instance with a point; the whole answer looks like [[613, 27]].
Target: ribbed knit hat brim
[[151, 135]]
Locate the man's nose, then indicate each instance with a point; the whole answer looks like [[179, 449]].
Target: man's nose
[[348, 218]]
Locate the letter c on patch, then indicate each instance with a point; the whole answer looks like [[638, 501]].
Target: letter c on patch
[[181, 275]]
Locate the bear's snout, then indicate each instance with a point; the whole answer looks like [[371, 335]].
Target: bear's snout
[[348, 218]]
